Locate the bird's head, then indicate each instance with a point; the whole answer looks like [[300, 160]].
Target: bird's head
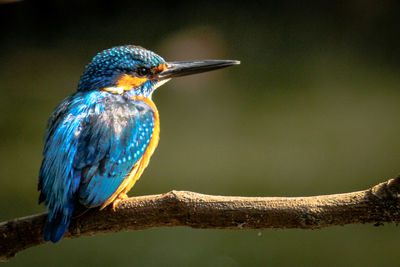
[[138, 71]]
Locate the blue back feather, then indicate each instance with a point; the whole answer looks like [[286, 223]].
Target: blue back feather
[[94, 139]]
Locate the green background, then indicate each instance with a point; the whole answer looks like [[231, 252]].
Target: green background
[[313, 109]]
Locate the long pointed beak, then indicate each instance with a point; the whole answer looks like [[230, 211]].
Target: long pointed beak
[[183, 68]]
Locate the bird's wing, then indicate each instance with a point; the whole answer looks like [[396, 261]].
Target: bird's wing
[[110, 144], [93, 142]]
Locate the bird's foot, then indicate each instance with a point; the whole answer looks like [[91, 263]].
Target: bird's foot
[[121, 197]]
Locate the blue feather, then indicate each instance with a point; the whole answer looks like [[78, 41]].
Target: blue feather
[[107, 65], [57, 224], [90, 137]]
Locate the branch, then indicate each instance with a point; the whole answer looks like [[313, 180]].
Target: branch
[[377, 205]]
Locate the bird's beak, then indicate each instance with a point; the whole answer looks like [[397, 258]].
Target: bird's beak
[[183, 68]]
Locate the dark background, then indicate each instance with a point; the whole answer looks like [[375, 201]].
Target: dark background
[[312, 109]]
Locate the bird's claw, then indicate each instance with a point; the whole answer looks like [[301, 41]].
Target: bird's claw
[[121, 197]]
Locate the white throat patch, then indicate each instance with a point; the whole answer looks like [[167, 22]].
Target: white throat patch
[[116, 90]]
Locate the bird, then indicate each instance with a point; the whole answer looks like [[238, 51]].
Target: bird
[[100, 139]]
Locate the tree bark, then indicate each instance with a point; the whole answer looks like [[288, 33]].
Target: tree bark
[[376, 205]]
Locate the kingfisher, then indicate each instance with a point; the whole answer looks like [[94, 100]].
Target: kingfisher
[[100, 139]]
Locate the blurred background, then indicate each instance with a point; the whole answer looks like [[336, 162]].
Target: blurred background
[[313, 109]]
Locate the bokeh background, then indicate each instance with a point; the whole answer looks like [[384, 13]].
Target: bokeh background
[[312, 109]]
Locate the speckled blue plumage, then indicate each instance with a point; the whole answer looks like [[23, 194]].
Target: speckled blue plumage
[[94, 138], [108, 65]]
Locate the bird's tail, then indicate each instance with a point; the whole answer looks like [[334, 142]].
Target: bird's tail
[[57, 223]]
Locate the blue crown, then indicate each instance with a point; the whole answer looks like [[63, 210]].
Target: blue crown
[[107, 65]]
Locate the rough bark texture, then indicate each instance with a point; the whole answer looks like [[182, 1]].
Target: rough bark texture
[[377, 205]]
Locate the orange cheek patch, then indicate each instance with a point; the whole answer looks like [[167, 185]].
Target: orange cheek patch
[[129, 82], [160, 68]]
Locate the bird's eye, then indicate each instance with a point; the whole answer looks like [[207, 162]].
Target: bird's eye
[[143, 71]]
